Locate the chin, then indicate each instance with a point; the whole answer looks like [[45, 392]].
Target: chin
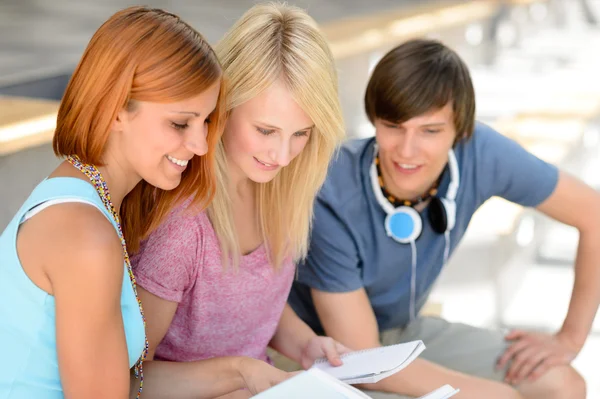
[[262, 177], [164, 182]]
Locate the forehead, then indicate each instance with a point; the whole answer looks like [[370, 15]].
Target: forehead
[[201, 104], [444, 115], [276, 106]]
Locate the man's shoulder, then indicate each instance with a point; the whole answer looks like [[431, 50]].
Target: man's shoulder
[[347, 172]]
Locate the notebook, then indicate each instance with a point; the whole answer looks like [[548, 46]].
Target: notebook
[[444, 392], [312, 384], [316, 384], [372, 365]]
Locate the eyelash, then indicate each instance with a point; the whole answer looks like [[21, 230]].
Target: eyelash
[[264, 131], [178, 126], [268, 132]]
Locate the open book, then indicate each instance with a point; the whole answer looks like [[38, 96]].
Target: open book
[[444, 392], [372, 365], [316, 384], [312, 384]]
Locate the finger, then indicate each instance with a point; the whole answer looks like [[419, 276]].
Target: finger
[[534, 358], [544, 366], [331, 352], [342, 350], [306, 362], [518, 361], [511, 352], [515, 334]]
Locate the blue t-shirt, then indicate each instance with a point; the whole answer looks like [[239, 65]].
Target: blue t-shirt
[[349, 246]]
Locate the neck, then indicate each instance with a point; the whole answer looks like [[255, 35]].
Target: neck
[[119, 178], [240, 186]]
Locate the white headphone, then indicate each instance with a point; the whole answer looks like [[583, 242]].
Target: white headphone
[[404, 224]]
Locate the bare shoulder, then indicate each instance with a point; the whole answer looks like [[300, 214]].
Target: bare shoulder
[[69, 241]]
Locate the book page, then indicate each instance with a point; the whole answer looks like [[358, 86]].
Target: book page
[[444, 392], [371, 365], [313, 384]]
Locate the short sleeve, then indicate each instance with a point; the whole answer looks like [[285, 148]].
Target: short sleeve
[[507, 170], [332, 263], [165, 265]]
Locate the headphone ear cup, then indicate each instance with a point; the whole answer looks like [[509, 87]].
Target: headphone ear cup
[[404, 225], [438, 217], [450, 207]]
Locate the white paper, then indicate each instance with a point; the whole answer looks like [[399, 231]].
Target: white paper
[[373, 365], [312, 384], [444, 392]]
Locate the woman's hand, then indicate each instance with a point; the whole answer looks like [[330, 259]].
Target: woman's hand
[[322, 347], [259, 376]]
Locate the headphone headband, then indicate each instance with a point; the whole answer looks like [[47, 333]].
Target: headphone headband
[[454, 176]]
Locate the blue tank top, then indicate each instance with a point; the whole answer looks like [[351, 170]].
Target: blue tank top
[[28, 359]]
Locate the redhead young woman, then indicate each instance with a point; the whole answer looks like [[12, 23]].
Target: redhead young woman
[[134, 128]]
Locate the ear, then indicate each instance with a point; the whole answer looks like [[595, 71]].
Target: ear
[[121, 121]]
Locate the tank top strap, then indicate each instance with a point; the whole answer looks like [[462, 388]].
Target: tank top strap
[[63, 189]]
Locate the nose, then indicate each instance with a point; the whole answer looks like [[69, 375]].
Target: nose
[[281, 154], [195, 140], [408, 145]]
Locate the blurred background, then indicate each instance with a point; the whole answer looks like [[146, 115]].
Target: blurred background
[[534, 64]]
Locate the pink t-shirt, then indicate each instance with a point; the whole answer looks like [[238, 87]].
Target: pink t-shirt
[[221, 312]]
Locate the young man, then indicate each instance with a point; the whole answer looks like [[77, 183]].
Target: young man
[[394, 208]]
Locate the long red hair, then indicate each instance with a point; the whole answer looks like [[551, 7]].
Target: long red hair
[[150, 55]]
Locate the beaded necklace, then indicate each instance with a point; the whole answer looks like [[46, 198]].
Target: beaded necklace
[[102, 188], [396, 202]]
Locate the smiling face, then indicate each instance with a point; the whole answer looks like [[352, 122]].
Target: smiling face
[[158, 140], [265, 134], [413, 154]]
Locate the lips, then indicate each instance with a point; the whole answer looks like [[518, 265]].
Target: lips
[[407, 168], [179, 162], [266, 166]]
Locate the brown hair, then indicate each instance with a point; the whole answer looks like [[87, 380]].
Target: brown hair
[[419, 76], [142, 54]]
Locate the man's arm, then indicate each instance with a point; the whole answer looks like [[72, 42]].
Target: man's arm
[[349, 318], [578, 205]]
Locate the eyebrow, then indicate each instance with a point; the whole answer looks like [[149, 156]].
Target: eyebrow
[[196, 114], [278, 128], [434, 124]]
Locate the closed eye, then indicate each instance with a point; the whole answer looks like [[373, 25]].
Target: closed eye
[[432, 131], [266, 132], [302, 133], [179, 126]]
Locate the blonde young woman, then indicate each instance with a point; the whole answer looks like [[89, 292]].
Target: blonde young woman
[[215, 284]]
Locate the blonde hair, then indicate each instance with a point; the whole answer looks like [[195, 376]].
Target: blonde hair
[[269, 42]]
